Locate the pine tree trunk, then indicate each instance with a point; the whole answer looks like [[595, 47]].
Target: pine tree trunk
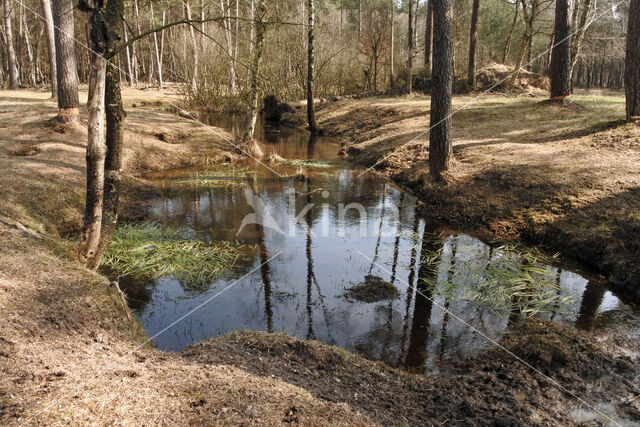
[[67, 71], [560, 71], [11, 53], [440, 150], [473, 39], [428, 37], [51, 45], [311, 115], [632, 62], [410, 57]]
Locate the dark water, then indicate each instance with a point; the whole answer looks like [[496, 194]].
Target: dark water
[[294, 272]]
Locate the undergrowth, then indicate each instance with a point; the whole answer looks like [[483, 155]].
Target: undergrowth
[[148, 249]]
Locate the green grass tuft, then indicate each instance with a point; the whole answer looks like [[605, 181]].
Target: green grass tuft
[[147, 249]]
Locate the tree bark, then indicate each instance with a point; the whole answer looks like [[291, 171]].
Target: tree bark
[[440, 150], [507, 44], [67, 71], [187, 15], [473, 38], [578, 36], [260, 29], [391, 43], [410, 57], [560, 70], [632, 62], [12, 61], [96, 148], [428, 36], [157, 47], [30, 56], [114, 115], [311, 114], [51, 45]]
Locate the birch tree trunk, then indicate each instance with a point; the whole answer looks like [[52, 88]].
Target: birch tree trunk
[[632, 62], [67, 71], [187, 15], [252, 148], [27, 42], [227, 32], [157, 47], [127, 54], [440, 150], [96, 150], [51, 45], [391, 42], [311, 115], [578, 35], [12, 61]]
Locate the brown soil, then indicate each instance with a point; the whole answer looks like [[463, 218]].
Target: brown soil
[[68, 355], [564, 178]]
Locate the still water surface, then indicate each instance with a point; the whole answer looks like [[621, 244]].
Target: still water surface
[[293, 276]]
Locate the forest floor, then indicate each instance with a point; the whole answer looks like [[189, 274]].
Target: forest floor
[[68, 355], [567, 179]]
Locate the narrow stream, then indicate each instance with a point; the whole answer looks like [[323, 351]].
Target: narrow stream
[[296, 270]]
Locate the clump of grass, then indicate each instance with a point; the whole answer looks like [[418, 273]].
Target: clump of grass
[[373, 289], [514, 280], [310, 164], [147, 249]]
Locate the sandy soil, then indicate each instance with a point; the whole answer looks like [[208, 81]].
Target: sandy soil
[[68, 355], [564, 178]]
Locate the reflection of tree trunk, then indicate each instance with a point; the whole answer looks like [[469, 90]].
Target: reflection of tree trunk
[[445, 315], [591, 301], [396, 244], [417, 351], [412, 276], [265, 272], [375, 253], [310, 275]]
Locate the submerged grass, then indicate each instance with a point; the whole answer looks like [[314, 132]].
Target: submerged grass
[[512, 281], [226, 175], [310, 164], [147, 249]]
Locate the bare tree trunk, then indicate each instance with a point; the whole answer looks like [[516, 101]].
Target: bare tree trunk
[[391, 43], [157, 48], [51, 45], [507, 44], [578, 36], [410, 57], [27, 41], [311, 115], [96, 149], [187, 15], [473, 38], [128, 54], [359, 19], [67, 71], [114, 114], [632, 62], [227, 31], [11, 53], [260, 29], [136, 60], [428, 36], [440, 150], [560, 71]]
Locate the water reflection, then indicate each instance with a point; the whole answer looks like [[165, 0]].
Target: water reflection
[[301, 291]]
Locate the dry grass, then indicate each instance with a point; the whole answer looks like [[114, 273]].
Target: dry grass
[[568, 178], [67, 353]]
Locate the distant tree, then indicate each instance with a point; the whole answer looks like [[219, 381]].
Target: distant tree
[[473, 39], [374, 43], [440, 150], [410, 56], [428, 36], [560, 70], [632, 62], [11, 53], [67, 72], [507, 43], [51, 44], [311, 114]]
